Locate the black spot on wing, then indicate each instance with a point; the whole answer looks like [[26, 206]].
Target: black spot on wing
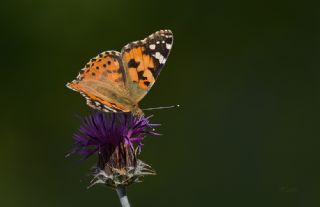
[[140, 76], [133, 64], [169, 40]]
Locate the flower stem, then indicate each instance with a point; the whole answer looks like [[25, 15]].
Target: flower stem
[[122, 193]]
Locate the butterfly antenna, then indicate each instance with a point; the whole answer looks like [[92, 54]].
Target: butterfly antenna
[[161, 107]]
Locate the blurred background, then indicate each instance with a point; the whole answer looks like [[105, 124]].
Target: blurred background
[[246, 74]]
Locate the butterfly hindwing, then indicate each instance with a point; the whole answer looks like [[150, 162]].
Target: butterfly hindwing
[[143, 61], [102, 83], [107, 66]]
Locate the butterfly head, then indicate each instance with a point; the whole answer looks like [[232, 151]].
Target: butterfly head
[[136, 111]]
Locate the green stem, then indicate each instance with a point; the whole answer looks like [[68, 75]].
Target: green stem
[[122, 193]]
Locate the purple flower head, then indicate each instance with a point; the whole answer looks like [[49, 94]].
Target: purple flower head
[[101, 132], [115, 138]]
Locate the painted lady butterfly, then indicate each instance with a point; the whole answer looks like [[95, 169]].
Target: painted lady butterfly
[[116, 82]]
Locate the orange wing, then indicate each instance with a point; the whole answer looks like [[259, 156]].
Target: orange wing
[[144, 60], [102, 83], [107, 66]]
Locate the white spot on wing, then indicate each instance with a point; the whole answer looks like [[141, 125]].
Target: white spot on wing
[[152, 46], [159, 57], [168, 46], [109, 109]]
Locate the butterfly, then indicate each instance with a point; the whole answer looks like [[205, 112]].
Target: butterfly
[[117, 81]]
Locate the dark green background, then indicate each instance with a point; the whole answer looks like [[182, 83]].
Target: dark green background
[[244, 72]]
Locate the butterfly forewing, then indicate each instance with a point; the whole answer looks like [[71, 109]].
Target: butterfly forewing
[[144, 60]]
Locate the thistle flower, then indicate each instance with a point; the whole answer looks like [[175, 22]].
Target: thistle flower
[[117, 140]]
